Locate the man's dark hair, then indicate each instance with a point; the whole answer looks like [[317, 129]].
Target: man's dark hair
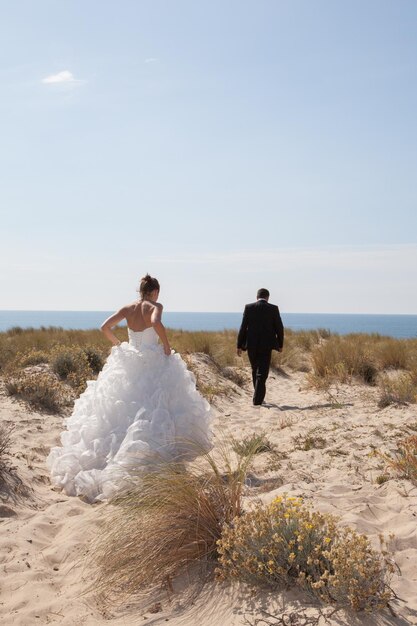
[[262, 293]]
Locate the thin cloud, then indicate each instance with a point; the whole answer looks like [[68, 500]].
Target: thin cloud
[[64, 77], [338, 257], [151, 60]]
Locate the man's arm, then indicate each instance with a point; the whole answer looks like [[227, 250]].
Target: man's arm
[[279, 329], [243, 331]]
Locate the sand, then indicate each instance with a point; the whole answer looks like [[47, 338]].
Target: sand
[[45, 536]]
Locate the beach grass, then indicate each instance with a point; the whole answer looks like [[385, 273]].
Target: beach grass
[[5, 432], [76, 356], [252, 444], [168, 522], [403, 462], [182, 519]]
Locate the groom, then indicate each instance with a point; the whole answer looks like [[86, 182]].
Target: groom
[[261, 332]]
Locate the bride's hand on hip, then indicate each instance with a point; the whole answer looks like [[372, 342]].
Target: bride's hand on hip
[[167, 351]]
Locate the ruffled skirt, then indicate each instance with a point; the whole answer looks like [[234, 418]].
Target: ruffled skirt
[[142, 410]]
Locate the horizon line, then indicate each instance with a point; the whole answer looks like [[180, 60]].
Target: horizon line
[[193, 312]]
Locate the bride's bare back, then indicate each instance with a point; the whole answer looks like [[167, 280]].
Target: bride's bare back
[[140, 315]]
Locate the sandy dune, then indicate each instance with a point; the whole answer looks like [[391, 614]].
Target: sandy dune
[[45, 536]]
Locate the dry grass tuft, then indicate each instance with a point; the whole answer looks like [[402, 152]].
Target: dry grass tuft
[[292, 357], [220, 346], [4, 450], [362, 357], [399, 390], [168, 522], [253, 444], [381, 479], [393, 354], [342, 358], [404, 460], [309, 441], [286, 544]]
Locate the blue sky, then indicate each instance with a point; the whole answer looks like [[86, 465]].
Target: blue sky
[[220, 145]]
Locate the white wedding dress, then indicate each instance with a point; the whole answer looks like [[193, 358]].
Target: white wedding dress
[[142, 409]]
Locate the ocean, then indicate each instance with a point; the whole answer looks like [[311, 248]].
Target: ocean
[[400, 326]]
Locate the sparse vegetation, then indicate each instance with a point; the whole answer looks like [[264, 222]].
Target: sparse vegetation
[[286, 544], [371, 359], [33, 357], [253, 444], [168, 521], [343, 358], [329, 360], [72, 365], [309, 441], [19, 342], [219, 345], [404, 460], [382, 478], [177, 518], [401, 389], [40, 390], [286, 422], [234, 374], [4, 450]]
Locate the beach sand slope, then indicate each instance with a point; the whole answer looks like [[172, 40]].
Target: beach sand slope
[[45, 536]]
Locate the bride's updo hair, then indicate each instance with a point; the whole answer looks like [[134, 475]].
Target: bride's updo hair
[[147, 285]]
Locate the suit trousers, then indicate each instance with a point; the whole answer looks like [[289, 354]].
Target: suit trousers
[[260, 362]]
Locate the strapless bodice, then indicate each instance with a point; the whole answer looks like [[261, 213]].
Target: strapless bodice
[[141, 338]]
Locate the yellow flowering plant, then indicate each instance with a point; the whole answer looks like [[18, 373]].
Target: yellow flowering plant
[[287, 544]]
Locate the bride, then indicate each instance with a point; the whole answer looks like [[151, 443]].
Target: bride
[[142, 409]]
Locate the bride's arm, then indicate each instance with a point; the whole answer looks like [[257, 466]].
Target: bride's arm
[[160, 328], [110, 323]]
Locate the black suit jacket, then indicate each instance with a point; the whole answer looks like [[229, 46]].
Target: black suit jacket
[[261, 328]]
